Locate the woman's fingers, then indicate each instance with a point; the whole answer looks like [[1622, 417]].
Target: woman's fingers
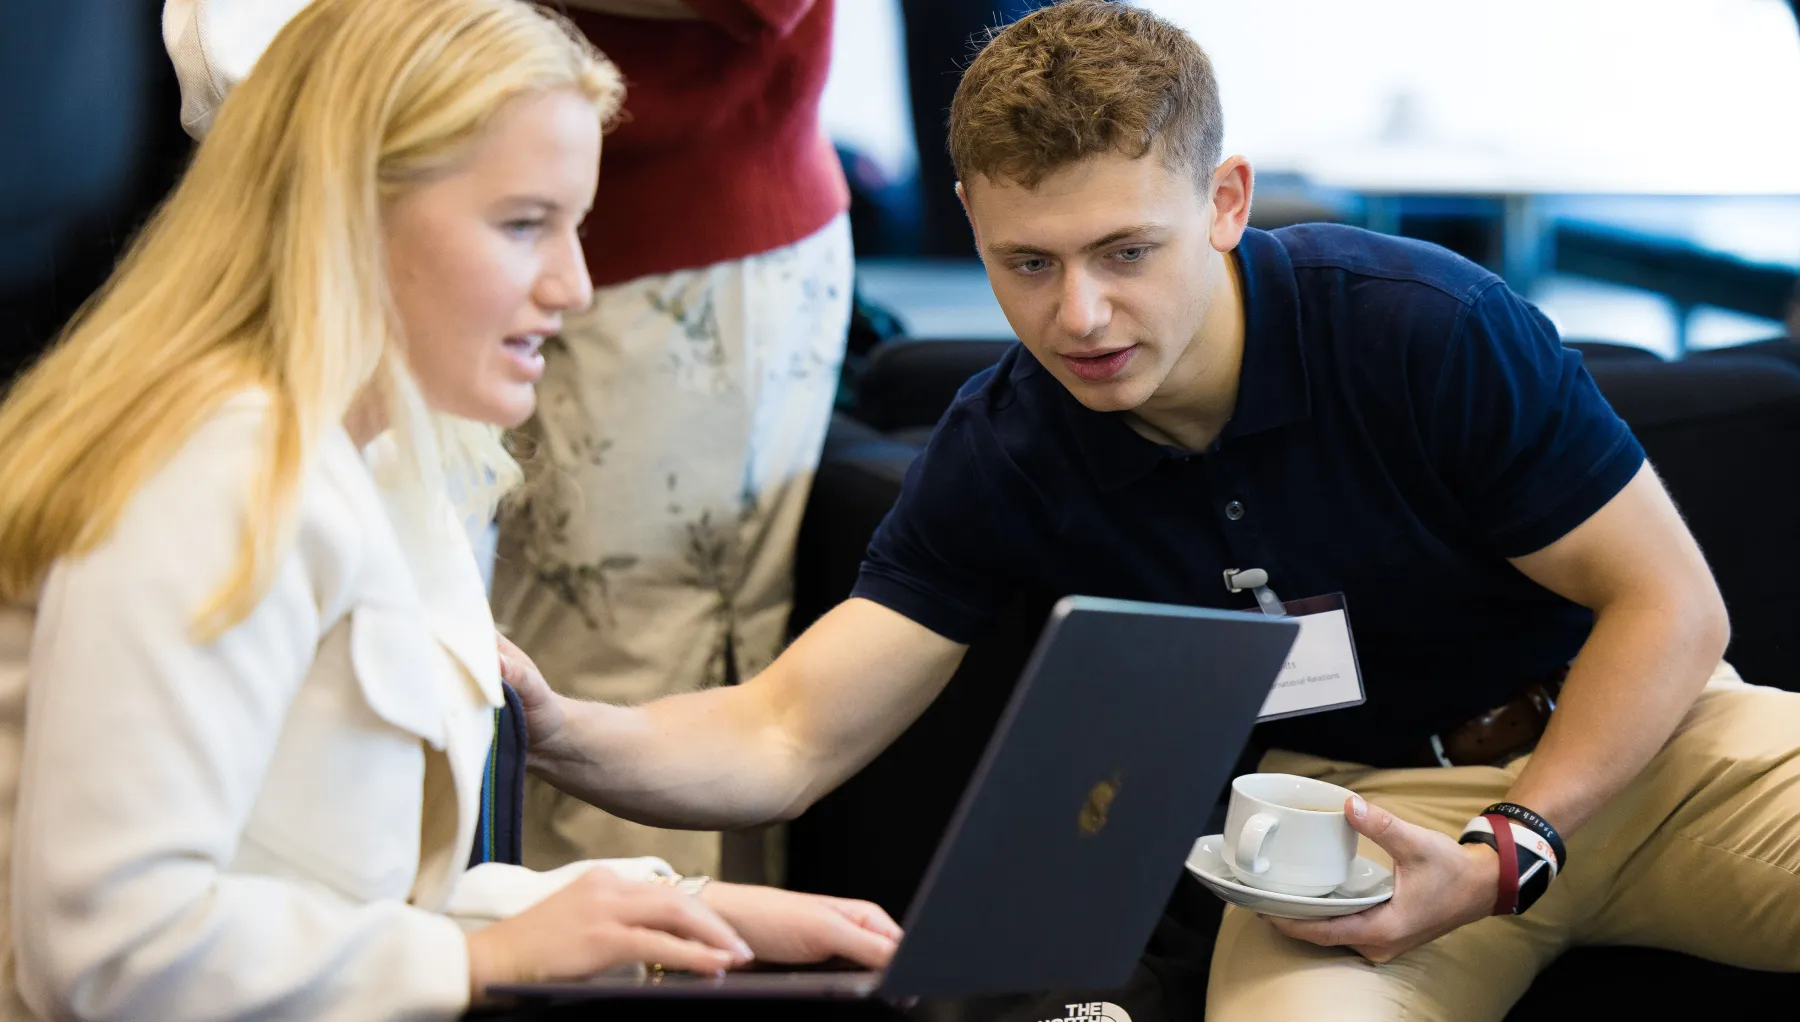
[[847, 938], [672, 952], [683, 915], [869, 916]]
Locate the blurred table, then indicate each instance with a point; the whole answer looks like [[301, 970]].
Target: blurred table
[[940, 299]]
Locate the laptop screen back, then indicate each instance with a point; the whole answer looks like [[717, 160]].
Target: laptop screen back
[[1118, 741]]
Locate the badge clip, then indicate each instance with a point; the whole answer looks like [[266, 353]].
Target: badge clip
[[1255, 580]]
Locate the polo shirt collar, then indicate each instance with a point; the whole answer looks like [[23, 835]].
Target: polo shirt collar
[[1273, 390], [1272, 385]]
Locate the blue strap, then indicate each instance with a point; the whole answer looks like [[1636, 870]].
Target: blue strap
[[483, 850]]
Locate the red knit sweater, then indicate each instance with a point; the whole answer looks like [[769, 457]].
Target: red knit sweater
[[719, 154]]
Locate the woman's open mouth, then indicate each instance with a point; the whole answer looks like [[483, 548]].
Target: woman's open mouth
[[527, 352]]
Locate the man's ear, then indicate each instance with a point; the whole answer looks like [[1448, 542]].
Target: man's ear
[[1231, 187], [963, 197]]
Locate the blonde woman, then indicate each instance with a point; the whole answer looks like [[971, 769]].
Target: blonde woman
[[707, 362], [247, 668]]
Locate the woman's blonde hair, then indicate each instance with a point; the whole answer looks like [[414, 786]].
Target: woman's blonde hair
[[265, 269]]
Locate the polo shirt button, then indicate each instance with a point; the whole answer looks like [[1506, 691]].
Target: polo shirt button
[[1234, 510]]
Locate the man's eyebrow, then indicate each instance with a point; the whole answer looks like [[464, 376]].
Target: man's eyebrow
[[1128, 233], [1135, 231]]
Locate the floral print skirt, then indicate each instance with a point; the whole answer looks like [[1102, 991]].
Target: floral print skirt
[[679, 425]]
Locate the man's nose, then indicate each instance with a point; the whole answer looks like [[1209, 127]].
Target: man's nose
[[1082, 308]]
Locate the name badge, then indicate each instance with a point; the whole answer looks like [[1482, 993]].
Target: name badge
[[1321, 671]]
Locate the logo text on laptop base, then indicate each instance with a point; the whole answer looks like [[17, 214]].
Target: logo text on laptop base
[[1093, 1011]]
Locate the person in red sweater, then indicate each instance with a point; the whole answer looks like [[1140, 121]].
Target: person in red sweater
[[681, 415]]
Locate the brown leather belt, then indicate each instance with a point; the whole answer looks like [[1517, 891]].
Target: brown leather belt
[[1498, 734]]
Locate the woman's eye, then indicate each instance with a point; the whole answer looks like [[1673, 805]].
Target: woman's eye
[[523, 227]]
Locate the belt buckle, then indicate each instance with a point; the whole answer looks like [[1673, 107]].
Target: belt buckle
[[1536, 698], [1437, 749]]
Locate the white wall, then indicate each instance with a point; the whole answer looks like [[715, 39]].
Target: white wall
[[865, 103], [1685, 96]]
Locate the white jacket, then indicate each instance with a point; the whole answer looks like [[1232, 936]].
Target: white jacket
[[272, 825]]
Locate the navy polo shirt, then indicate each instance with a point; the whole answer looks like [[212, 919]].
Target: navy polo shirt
[[1404, 424]]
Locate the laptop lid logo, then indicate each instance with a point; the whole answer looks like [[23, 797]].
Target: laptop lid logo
[[1092, 818]]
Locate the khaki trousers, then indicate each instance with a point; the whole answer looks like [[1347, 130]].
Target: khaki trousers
[[1700, 854], [679, 425]]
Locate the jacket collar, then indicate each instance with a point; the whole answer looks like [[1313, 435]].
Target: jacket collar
[[446, 577]]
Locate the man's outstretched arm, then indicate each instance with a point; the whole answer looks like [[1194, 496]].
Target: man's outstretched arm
[[751, 753]]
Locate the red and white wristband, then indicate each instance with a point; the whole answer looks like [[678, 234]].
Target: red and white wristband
[[1531, 853]]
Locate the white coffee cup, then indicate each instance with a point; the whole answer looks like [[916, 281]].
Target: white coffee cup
[[1288, 834]]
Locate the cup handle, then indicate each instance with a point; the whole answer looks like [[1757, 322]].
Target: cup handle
[[1250, 843]]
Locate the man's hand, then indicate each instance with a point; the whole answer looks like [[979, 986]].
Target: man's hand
[[1439, 885], [544, 713], [790, 928]]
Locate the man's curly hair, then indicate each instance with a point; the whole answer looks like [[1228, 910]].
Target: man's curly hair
[[1082, 78]]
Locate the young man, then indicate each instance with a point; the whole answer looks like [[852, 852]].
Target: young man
[[1349, 413]]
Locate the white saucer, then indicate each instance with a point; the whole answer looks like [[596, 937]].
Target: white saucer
[[1369, 884]]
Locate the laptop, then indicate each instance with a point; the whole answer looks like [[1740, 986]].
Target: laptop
[[1120, 737]]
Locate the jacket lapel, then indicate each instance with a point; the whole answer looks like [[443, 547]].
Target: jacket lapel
[[456, 602], [447, 591], [445, 576]]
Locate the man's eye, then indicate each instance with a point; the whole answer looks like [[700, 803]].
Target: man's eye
[[1135, 253], [1032, 265]]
